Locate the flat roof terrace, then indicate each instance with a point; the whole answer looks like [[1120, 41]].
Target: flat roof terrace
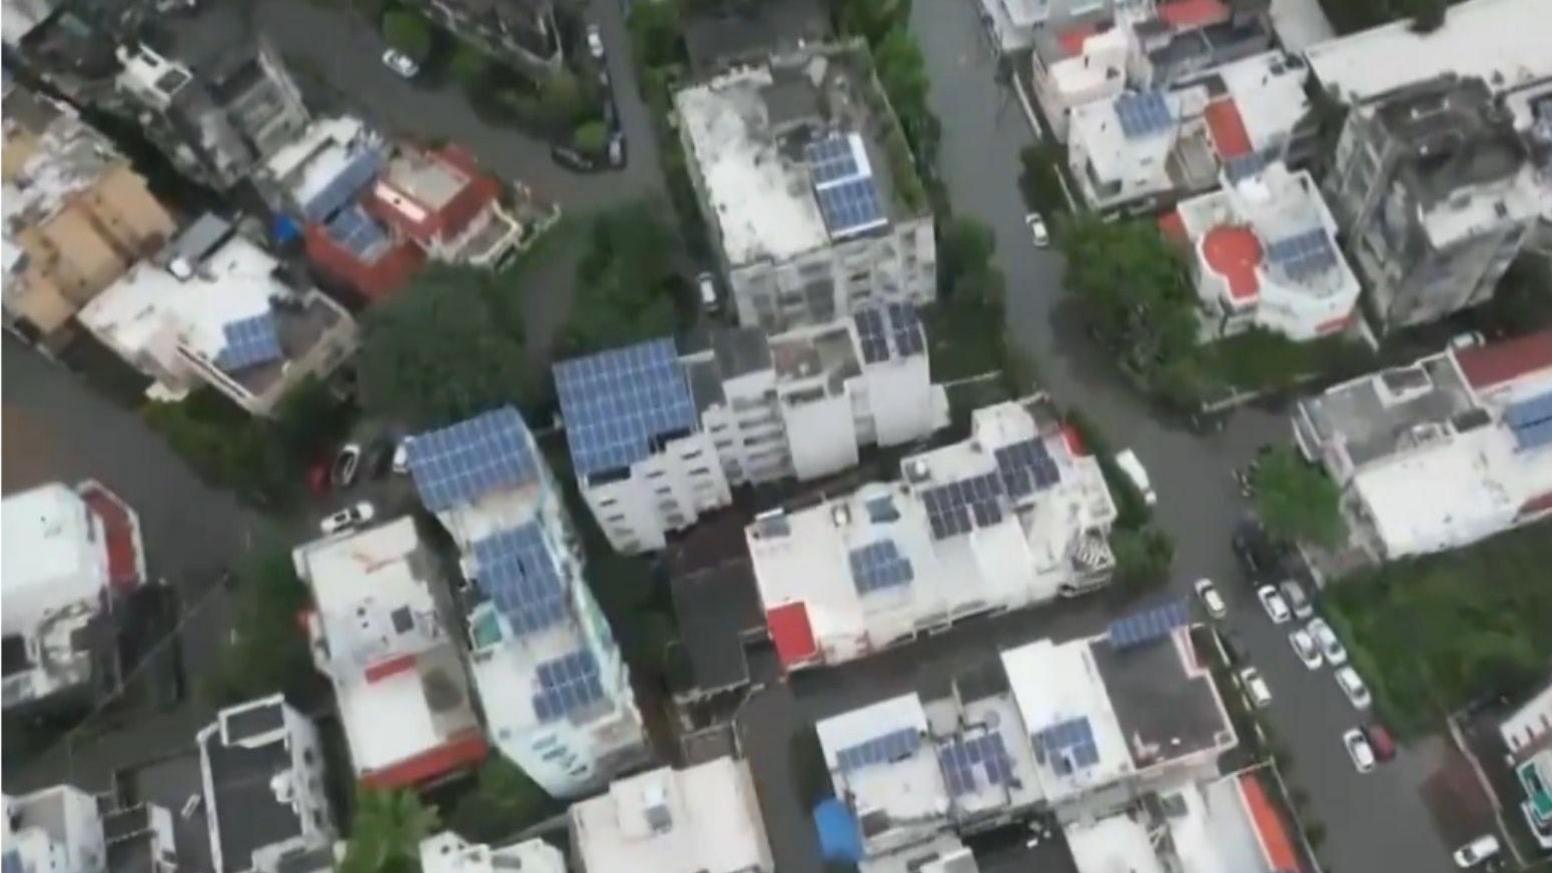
[[1166, 704]]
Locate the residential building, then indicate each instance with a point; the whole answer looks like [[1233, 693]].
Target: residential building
[[1501, 42], [1011, 517], [522, 33], [657, 439], [213, 308], [702, 819], [1442, 452], [808, 189], [720, 37], [719, 615], [1263, 253], [55, 830], [555, 691], [1527, 735], [77, 215], [261, 764], [1435, 195], [72, 555], [399, 680], [449, 853], [451, 208]]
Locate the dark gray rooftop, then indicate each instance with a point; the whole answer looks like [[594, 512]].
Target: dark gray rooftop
[[1455, 135], [717, 606], [257, 721], [1164, 712], [718, 36], [1377, 414], [741, 350], [248, 815]]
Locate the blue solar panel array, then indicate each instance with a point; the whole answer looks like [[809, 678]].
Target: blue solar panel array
[[892, 746], [352, 228], [906, 326], [616, 404], [13, 862], [517, 570], [958, 507], [831, 159], [1531, 421], [870, 332], [1026, 466], [1303, 254], [879, 565], [1067, 745], [355, 175], [959, 758], [1244, 166], [1147, 625], [566, 684], [1142, 114], [466, 461], [249, 342], [851, 207]]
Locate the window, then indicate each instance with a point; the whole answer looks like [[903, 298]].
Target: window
[[553, 754], [655, 474], [618, 516], [607, 501], [690, 456], [700, 471]]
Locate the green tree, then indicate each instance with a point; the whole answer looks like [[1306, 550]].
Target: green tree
[[447, 346], [591, 137], [1129, 280], [225, 445], [625, 282], [386, 831], [965, 261], [503, 802], [1296, 500], [408, 32], [561, 99], [870, 19], [470, 67], [267, 649], [1143, 557], [1040, 181], [655, 32], [309, 419]]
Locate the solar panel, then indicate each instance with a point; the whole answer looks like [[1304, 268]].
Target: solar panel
[[1067, 745], [851, 207], [249, 342], [879, 565], [1533, 436], [831, 159], [467, 460], [353, 229], [361, 169], [1530, 411], [952, 508], [1026, 466], [1149, 624], [619, 405], [1244, 166], [1303, 254], [892, 746], [1142, 114], [567, 683], [870, 333], [517, 569], [907, 330]]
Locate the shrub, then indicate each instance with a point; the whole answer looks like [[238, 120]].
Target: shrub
[[408, 32], [591, 137]]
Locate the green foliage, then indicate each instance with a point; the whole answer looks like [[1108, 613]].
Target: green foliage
[[1522, 303], [1296, 500], [446, 347], [386, 831], [1040, 181], [561, 100], [625, 284], [309, 420], [591, 137], [226, 446], [504, 802], [1350, 15], [267, 650], [1143, 557], [470, 66], [656, 33], [1433, 633], [408, 32], [870, 19], [965, 270], [1260, 359], [1133, 287]]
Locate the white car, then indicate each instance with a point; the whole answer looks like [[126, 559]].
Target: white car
[[1352, 685], [1256, 687], [348, 517], [1304, 646], [595, 42], [708, 288], [1037, 231], [401, 63], [1272, 602], [1477, 851], [1297, 600], [1325, 637], [1211, 600], [1358, 749], [401, 456], [1468, 340], [1127, 460]]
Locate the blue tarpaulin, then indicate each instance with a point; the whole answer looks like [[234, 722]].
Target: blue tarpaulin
[[839, 837], [284, 230]]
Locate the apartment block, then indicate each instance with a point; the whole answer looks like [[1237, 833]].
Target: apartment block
[[554, 689], [808, 188], [62, 829], [449, 853]]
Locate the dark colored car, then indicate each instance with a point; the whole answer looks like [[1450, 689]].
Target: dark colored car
[[1380, 741], [1258, 554], [379, 457]]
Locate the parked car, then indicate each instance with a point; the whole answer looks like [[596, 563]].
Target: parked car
[[707, 285], [1478, 850], [1358, 749], [1304, 646], [1379, 740], [617, 151], [346, 463], [1127, 460], [378, 458], [401, 63], [595, 42], [1468, 340], [318, 477], [1037, 232], [1256, 687], [1352, 685], [1298, 601], [401, 456], [1211, 600], [349, 517], [1272, 602], [1257, 554], [572, 159], [1326, 638]]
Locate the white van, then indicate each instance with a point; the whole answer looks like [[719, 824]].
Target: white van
[[1134, 470]]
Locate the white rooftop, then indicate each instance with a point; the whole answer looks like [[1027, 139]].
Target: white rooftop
[[903, 792], [70, 156], [52, 555], [449, 853], [1503, 42], [703, 819], [1111, 845], [1268, 92], [309, 163], [1056, 683]]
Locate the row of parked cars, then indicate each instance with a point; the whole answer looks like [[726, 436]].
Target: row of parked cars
[[380, 457]]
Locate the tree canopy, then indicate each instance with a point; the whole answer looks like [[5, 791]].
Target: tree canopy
[[408, 32], [1296, 500], [503, 802], [267, 651], [386, 831], [625, 282], [449, 345], [1143, 557]]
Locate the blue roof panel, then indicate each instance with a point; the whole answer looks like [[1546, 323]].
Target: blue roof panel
[[517, 570], [619, 404], [465, 461]]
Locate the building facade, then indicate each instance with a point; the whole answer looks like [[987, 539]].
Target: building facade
[[55, 830], [449, 853], [521, 32], [1527, 735]]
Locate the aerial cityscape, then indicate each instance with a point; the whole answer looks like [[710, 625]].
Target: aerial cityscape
[[776, 436]]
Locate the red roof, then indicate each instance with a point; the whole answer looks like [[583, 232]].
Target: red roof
[[1270, 830], [792, 634], [478, 192], [1173, 228], [122, 543], [1074, 441], [1072, 39], [1536, 505], [1191, 14], [372, 280], [1496, 363], [1234, 253], [1228, 129], [390, 667], [466, 749]]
